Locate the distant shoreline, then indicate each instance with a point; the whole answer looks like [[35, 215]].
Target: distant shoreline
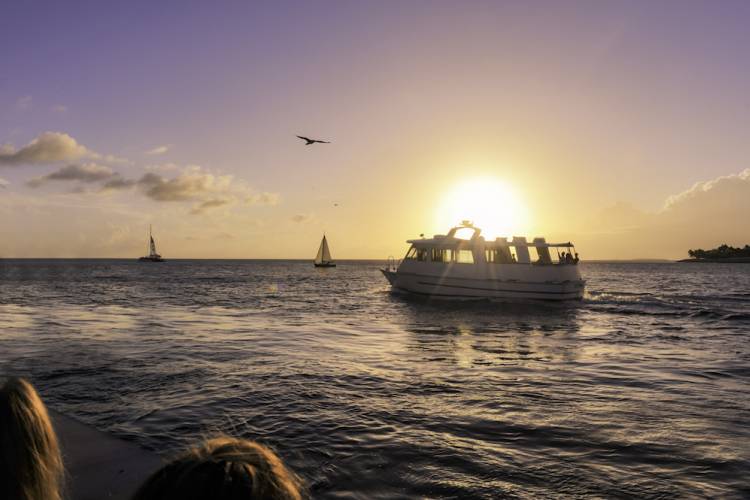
[[380, 260], [727, 260]]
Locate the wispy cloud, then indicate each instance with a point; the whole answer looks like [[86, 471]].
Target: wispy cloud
[[110, 159], [88, 173], [59, 108], [163, 167], [208, 205], [3, 183], [159, 150], [118, 182], [24, 102], [302, 218], [263, 198]]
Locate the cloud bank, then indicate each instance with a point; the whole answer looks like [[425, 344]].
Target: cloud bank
[[703, 216], [723, 195], [193, 184], [49, 147], [187, 186]]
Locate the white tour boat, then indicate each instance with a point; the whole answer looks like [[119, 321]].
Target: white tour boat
[[452, 267]]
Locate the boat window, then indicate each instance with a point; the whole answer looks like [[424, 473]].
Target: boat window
[[500, 255], [544, 255], [442, 255], [465, 256], [419, 254], [533, 255], [464, 233]]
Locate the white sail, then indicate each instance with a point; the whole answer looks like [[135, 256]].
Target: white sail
[[151, 249], [326, 251], [324, 254]]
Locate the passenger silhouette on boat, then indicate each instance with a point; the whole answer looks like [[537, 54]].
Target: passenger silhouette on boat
[[223, 469], [31, 466]]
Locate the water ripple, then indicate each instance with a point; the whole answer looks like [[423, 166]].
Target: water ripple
[[640, 390]]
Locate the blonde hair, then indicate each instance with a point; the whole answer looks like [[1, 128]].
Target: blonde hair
[[31, 467], [223, 468]]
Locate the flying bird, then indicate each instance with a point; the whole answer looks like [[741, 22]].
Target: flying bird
[[309, 141]]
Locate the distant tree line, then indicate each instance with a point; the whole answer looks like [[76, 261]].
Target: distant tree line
[[722, 252]]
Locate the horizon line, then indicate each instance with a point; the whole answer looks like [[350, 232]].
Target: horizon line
[[296, 259]]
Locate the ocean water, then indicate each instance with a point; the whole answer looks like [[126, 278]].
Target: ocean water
[[640, 390]]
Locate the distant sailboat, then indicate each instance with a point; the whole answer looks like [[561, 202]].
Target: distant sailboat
[[323, 259], [152, 255]]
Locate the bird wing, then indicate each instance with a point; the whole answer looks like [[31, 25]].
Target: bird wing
[[323, 142], [303, 137]]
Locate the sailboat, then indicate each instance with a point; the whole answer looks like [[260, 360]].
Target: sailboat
[[323, 259], [152, 255]]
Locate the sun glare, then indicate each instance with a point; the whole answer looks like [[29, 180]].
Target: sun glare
[[489, 203]]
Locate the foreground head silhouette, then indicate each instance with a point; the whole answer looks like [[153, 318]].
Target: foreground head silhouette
[[31, 467], [223, 469]]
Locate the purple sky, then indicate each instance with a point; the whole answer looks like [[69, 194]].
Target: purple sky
[[582, 105]]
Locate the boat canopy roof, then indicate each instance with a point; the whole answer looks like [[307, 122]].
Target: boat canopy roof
[[444, 241], [451, 241]]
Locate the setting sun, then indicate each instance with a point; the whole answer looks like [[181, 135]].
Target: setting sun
[[491, 204]]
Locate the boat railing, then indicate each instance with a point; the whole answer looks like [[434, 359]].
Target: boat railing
[[392, 264]]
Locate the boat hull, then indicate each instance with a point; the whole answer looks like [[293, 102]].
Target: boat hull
[[451, 286], [324, 264], [150, 259]]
